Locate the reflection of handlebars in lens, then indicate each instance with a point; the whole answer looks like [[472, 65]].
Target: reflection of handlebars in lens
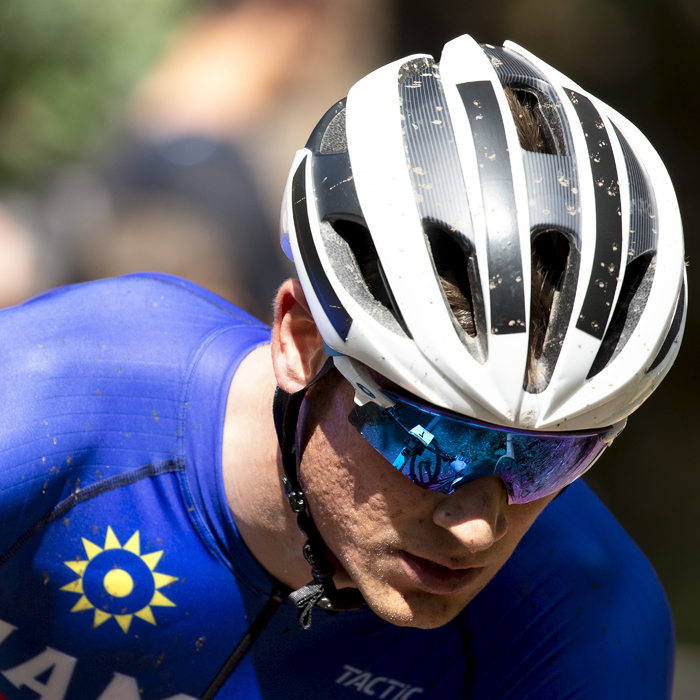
[[460, 467], [410, 446], [507, 461], [471, 470], [421, 435]]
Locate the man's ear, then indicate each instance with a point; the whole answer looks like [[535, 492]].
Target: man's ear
[[297, 347]]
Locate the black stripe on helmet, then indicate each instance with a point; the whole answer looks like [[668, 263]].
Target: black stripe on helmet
[[553, 194], [639, 260], [333, 308], [607, 258], [644, 214], [435, 172], [334, 185], [507, 295], [433, 162]]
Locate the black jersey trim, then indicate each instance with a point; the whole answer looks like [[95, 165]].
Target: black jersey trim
[[505, 265], [80, 496]]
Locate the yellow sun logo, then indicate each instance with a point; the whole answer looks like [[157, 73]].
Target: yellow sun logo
[[118, 581]]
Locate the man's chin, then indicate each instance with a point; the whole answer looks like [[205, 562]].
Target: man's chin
[[406, 606], [416, 608]]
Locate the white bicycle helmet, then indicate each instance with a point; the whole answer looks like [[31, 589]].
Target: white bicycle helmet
[[420, 174]]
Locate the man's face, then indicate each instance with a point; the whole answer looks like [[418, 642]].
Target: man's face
[[417, 556]]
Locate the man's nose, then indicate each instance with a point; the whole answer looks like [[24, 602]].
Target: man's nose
[[474, 513]]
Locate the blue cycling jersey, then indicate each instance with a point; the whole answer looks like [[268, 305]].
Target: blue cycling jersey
[[122, 576]]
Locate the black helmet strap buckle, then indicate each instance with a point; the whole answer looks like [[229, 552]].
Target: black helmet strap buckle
[[321, 591]]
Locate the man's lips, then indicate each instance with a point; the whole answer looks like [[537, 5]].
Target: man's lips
[[432, 577]]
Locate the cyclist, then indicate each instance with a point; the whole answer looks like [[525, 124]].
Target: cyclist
[[491, 279]]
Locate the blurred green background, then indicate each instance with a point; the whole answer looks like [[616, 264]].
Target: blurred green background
[[66, 67]]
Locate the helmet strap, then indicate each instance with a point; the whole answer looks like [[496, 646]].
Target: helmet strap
[[321, 591]]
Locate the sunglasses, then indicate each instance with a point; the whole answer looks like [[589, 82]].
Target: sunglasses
[[440, 451]]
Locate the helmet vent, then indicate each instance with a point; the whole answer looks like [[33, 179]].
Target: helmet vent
[[456, 268], [356, 264], [529, 109], [673, 331], [335, 140], [636, 286], [413, 68], [533, 90], [554, 265], [328, 136]]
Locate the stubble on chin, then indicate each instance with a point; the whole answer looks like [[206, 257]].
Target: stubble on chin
[[396, 602], [413, 608]]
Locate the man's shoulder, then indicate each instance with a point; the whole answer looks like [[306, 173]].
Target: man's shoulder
[[143, 295], [577, 594], [97, 380], [146, 319], [579, 554], [577, 533]]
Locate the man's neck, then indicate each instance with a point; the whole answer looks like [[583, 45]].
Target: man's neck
[[252, 473]]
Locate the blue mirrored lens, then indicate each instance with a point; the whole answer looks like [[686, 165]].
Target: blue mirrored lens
[[441, 451]]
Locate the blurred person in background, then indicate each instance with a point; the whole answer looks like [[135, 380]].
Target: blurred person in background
[[20, 275], [64, 65], [181, 190]]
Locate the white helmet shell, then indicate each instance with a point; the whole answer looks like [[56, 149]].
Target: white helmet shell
[[421, 153]]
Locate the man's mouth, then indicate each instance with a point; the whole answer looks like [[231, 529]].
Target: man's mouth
[[432, 577]]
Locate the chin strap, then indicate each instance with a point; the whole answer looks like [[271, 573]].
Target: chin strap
[[321, 591]]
